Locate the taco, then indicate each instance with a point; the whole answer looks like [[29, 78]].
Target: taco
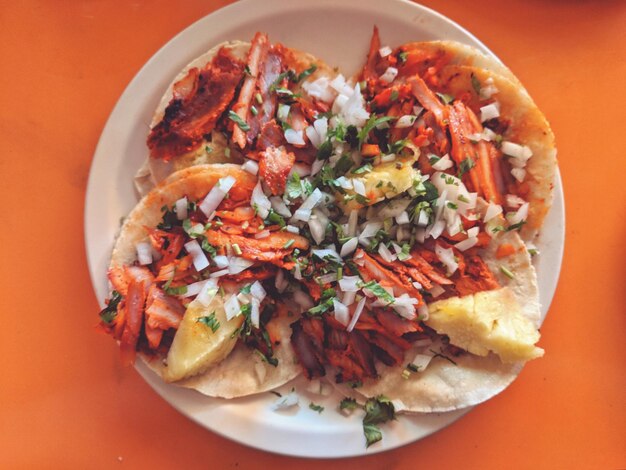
[[159, 264], [227, 103], [474, 112]]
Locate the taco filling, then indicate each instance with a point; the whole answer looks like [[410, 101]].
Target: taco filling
[[364, 230]]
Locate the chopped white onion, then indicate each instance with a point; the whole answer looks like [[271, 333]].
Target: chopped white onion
[[513, 201], [388, 158], [319, 89], [181, 208], [294, 137], [286, 401], [283, 112], [520, 215], [349, 283], [348, 247], [344, 183], [292, 229], [329, 251], [297, 272], [357, 313], [301, 214], [216, 195], [318, 229], [260, 201], [255, 312], [405, 306], [390, 74], [370, 229], [220, 273], [257, 291], [313, 200], [490, 111], [341, 312], [384, 51], [348, 298], [405, 121], [385, 254], [232, 307], [403, 218], [473, 232], [207, 292], [250, 166], [237, 265], [200, 261], [423, 313], [262, 234], [321, 127], [193, 289], [279, 206], [144, 253], [359, 186], [466, 244], [353, 219], [394, 208], [313, 136], [493, 210], [518, 151], [221, 261], [446, 256], [443, 163], [421, 361], [518, 173]]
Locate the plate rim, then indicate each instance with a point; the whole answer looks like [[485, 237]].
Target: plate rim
[[164, 390]]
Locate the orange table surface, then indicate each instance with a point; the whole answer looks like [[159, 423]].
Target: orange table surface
[[65, 401]]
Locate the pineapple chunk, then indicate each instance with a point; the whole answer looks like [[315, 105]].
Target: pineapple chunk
[[196, 347], [386, 180], [487, 321]]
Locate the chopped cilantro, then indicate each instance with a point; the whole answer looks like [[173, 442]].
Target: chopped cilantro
[[507, 272], [377, 410], [246, 289], [378, 290], [302, 75], [348, 404], [180, 290], [108, 313], [362, 169], [343, 165], [394, 95], [233, 116], [315, 407], [403, 56], [516, 226], [466, 165], [274, 217], [371, 123], [447, 99], [211, 321]]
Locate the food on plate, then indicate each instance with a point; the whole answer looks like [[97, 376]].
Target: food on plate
[[367, 231], [256, 81], [478, 116]]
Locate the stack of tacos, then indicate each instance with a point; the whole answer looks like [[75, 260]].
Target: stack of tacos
[[373, 231]]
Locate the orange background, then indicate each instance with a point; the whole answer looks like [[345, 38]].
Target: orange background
[[64, 399]]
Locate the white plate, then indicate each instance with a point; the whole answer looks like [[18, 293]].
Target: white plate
[[339, 33]]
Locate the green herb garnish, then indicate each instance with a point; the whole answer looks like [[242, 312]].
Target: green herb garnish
[[211, 321], [243, 125]]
